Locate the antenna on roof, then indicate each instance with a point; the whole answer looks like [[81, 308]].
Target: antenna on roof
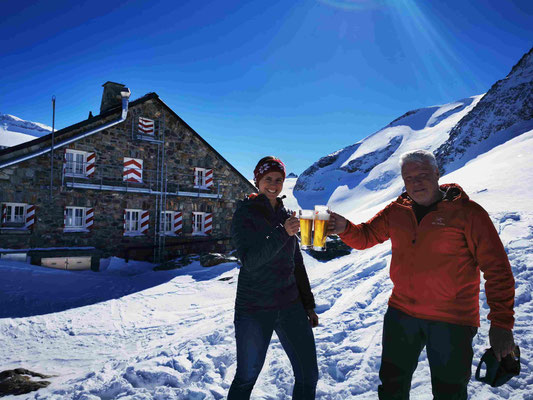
[[52, 149]]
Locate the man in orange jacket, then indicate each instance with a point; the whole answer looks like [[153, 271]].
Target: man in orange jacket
[[440, 241]]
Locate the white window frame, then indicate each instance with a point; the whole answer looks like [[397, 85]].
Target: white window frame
[[200, 178], [10, 215], [163, 223], [198, 217], [74, 173], [74, 227], [130, 222]]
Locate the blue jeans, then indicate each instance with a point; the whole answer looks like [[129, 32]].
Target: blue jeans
[[253, 331], [449, 351]]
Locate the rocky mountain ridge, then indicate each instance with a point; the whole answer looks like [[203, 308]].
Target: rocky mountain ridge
[[456, 132]]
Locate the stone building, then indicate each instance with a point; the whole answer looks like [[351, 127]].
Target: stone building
[[134, 181]]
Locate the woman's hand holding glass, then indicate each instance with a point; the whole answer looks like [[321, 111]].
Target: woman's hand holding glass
[[292, 224]]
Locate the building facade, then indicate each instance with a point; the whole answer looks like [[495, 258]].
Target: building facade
[[134, 181]]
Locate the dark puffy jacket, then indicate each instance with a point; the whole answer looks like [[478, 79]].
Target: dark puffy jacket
[[272, 273]]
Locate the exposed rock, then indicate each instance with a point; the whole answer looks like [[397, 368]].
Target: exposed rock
[[335, 248], [212, 259], [495, 119], [18, 381]]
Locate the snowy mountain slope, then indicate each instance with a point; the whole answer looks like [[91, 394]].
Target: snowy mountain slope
[[505, 111], [14, 130], [169, 335], [369, 169], [367, 172]]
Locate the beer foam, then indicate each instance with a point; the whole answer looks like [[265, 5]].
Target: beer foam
[[322, 215], [306, 214]]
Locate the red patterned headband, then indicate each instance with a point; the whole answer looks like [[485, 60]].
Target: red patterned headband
[[270, 165]]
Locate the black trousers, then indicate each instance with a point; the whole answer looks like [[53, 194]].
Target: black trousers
[[449, 351]]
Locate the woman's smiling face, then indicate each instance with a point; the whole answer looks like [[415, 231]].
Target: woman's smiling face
[[271, 185]]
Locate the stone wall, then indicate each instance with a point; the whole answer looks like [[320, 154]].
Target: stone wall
[[29, 182]]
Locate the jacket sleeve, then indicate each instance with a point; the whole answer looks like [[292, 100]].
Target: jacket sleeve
[[302, 281], [369, 233], [256, 247], [489, 253]]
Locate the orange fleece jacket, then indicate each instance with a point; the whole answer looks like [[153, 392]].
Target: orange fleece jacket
[[435, 264]]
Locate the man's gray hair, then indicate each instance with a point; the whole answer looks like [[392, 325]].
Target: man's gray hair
[[419, 156]]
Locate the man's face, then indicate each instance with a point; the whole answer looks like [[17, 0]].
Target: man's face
[[421, 182]]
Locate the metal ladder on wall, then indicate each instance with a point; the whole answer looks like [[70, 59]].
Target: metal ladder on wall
[[161, 197]]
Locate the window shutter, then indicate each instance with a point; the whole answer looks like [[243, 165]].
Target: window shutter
[[196, 183], [4, 215], [209, 178], [133, 170], [177, 226], [124, 224], [64, 164], [64, 217], [90, 164], [194, 223], [89, 218], [208, 223], [145, 216], [30, 216], [146, 126]]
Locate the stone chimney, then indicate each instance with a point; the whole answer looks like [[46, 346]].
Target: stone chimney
[[111, 97]]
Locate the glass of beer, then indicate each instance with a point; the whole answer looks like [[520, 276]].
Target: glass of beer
[[321, 227], [306, 228]]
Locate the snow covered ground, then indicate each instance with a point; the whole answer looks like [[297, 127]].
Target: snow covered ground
[[131, 333]]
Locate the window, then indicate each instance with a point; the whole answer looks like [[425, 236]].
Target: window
[[17, 216], [132, 221], [199, 177], [202, 223], [75, 217], [167, 218], [198, 222], [203, 178], [14, 214], [75, 162]]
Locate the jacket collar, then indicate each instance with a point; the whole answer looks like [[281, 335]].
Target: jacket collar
[[452, 192]]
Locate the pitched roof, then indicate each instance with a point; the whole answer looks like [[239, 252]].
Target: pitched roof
[[44, 141]]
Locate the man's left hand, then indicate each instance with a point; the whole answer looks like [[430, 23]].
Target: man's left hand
[[313, 318], [502, 341]]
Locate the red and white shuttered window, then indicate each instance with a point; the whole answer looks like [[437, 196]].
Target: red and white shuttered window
[[203, 178], [78, 218], [133, 170], [136, 222], [79, 163], [146, 126], [202, 223], [18, 215], [171, 222]]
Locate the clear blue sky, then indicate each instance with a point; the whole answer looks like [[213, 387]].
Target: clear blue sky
[[294, 78]]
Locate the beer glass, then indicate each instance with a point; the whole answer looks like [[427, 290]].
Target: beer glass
[[321, 227], [306, 228]]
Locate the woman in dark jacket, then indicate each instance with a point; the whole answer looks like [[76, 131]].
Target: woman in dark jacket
[[273, 292]]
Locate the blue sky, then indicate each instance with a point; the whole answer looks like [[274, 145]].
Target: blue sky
[[297, 79]]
